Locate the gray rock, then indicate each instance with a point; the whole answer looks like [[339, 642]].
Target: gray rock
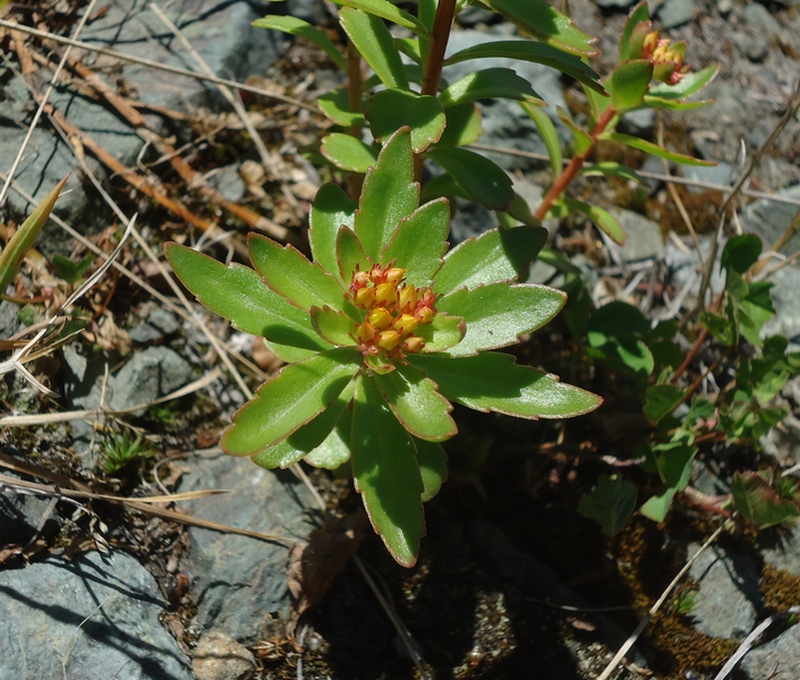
[[728, 600], [673, 13], [643, 237], [150, 374], [787, 304], [219, 657], [754, 47], [758, 18], [238, 579], [770, 219], [782, 552], [92, 619], [778, 659], [228, 182], [721, 174], [639, 123], [219, 31], [159, 324], [615, 4], [20, 515]]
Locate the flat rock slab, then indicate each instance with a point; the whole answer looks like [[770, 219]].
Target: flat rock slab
[[92, 619]]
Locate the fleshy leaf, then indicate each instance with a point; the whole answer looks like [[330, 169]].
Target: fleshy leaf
[[335, 450], [536, 52], [600, 216], [335, 326], [331, 209], [611, 503], [386, 10], [636, 27], [417, 405], [497, 314], [488, 84], [336, 106], [238, 294], [628, 84], [293, 397], [348, 153], [442, 333], [491, 381], [497, 255], [350, 254], [389, 194], [612, 169], [655, 150], [295, 26], [419, 242], [690, 84], [389, 110], [484, 181], [289, 273], [545, 23], [374, 42], [386, 474], [432, 461], [307, 438], [549, 135], [463, 125]]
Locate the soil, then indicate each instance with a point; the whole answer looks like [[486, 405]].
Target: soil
[[472, 603]]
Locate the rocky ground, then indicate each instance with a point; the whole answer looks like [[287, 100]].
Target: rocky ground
[[512, 581]]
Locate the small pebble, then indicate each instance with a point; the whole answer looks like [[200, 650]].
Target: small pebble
[[219, 657]]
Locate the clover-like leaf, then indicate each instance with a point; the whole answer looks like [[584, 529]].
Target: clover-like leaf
[[386, 474], [389, 110], [389, 194], [287, 271], [757, 501], [611, 503], [497, 314], [289, 400], [238, 294], [491, 381], [419, 242], [494, 256], [413, 399]]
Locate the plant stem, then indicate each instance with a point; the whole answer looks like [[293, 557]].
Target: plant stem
[[569, 173], [355, 81]]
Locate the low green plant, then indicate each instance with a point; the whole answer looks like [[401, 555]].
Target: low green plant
[[118, 451], [382, 331]]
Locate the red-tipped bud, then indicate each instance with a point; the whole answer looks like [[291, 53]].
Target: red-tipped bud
[[366, 332], [407, 299], [385, 294], [380, 318], [394, 274], [405, 324], [364, 297], [413, 344], [388, 340]]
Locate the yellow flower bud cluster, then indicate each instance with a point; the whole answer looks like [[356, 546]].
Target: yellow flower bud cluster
[[393, 311], [667, 60]]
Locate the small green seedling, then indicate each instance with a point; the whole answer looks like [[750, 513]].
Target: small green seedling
[[119, 450], [381, 333]]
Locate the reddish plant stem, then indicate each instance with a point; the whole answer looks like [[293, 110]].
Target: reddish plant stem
[[355, 81], [569, 173]]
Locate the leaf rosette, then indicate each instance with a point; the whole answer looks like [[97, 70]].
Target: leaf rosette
[[381, 331]]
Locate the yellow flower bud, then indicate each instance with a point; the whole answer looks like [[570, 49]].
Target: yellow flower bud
[[395, 274], [385, 294], [405, 324], [388, 340], [424, 314], [413, 344], [366, 332], [407, 299], [380, 318], [365, 297]]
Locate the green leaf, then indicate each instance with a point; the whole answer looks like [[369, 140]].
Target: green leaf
[[612, 169], [432, 461], [490, 83], [628, 84], [336, 106], [721, 327], [657, 506], [494, 256], [690, 84], [335, 326], [758, 503], [24, 238], [287, 271], [491, 381], [673, 105], [442, 333], [485, 182], [674, 463], [386, 474], [661, 400], [755, 310], [463, 125], [238, 294], [419, 242], [636, 27], [582, 140], [615, 335], [389, 110], [741, 252], [497, 314], [309, 438], [386, 10], [410, 47], [70, 271], [655, 150], [545, 23], [348, 153], [547, 131], [350, 254], [536, 52], [293, 397], [334, 452], [374, 42], [600, 216], [413, 399], [611, 503], [295, 26], [331, 209], [389, 194]]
